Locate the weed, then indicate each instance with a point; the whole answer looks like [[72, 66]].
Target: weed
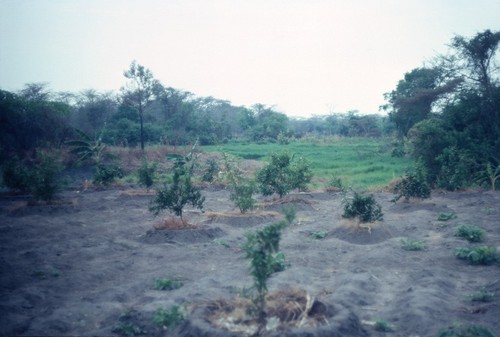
[[412, 245], [382, 326], [290, 212], [128, 329], [470, 233], [445, 216], [482, 295], [335, 183], [167, 283], [365, 208], [470, 331], [222, 242], [168, 318], [318, 235], [484, 255], [107, 173]]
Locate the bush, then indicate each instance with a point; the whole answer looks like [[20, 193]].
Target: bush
[[470, 233], [210, 171], [242, 194], [167, 283], [456, 169], [484, 255], [412, 185], [168, 318], [43, 181], [16, 175], [365, 208], [283, 174], [412, 245], [106, 174], [470, 331], [146, 174]]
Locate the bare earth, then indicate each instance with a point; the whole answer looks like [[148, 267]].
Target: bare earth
[[75, 267]]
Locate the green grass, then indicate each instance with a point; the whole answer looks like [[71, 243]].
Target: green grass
[[361, 163]]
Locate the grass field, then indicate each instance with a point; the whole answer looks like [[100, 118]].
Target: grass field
[[362, 163]]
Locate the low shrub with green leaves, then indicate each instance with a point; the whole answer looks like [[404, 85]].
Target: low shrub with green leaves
[[412, 245], [382, 326], [169, 318], [470, 233], [242, 196], [412, 185], [318, 235], [445, 216], [167, 283], [484, 255], [210, 171], [482, 295], [106, 174], [146, 173], [128, 329], [363, 207]]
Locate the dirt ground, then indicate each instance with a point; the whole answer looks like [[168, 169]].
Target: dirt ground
[[89, 261]]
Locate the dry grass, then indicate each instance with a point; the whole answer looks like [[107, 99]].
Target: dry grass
[[137, 192], [238, 214], [291, 308]]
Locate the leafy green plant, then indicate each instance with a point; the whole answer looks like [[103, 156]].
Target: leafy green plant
[[412, 245], [412, 185], [335, 183], [107, 173], [289, 212], [242, 189], [318, 235], [180, 192], [86, 147], [484, 255], [470, 233], [146, 173], [469, 331], [482, 295], [445, 216], [211, 170], [363, 207], [382, 326], [16, 175], [128, 329], [262, 250], [168, 318], [282, 174], [167, 283], [43, 181]]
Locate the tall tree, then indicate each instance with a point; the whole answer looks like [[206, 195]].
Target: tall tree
[[139, 91]]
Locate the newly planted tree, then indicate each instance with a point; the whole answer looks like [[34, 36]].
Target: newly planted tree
[[412, 185], [262, 249], [176, 195], [363, 207]]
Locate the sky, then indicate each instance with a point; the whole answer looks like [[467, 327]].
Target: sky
[[303, 57]]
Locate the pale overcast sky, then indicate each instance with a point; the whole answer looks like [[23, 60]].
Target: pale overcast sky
[[304, 57]]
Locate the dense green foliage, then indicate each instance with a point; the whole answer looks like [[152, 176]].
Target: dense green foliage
[[449, 114], [363, 207], [478, 255], [412, 185], [146, 173], [467, 331]]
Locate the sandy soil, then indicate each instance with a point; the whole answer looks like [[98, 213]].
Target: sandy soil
[[77, 266]]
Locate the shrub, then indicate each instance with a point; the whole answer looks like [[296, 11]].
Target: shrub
[[470, 233], [382, 326], [43, 180], [168, 318], [365, 208], [289, 212], [210, 171], [412, 245], [242, 194], [445, 216], [146, 173], [412, 185], [106, 174], [262, 250], [318, 235], [180, 192], [16, 175], [283, 173], [167, 283], [482, 295], [484, 255], [128, 329]]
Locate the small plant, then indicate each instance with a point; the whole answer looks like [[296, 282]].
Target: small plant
[[107, 173], [382, 326], [335, 183], [128, 329], [262, 250], [289, 212], [470, 331], [412, 245], [318, 235], [43, 181], [16, 175], [484, 255], [146, 174], [482, 295], [210, 171], [242, 196], [167, 283], [445, 216], [412, 185], [222, 242], [168, 318], [363, 207], [470, 233], [86, 147], [180, 192]]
